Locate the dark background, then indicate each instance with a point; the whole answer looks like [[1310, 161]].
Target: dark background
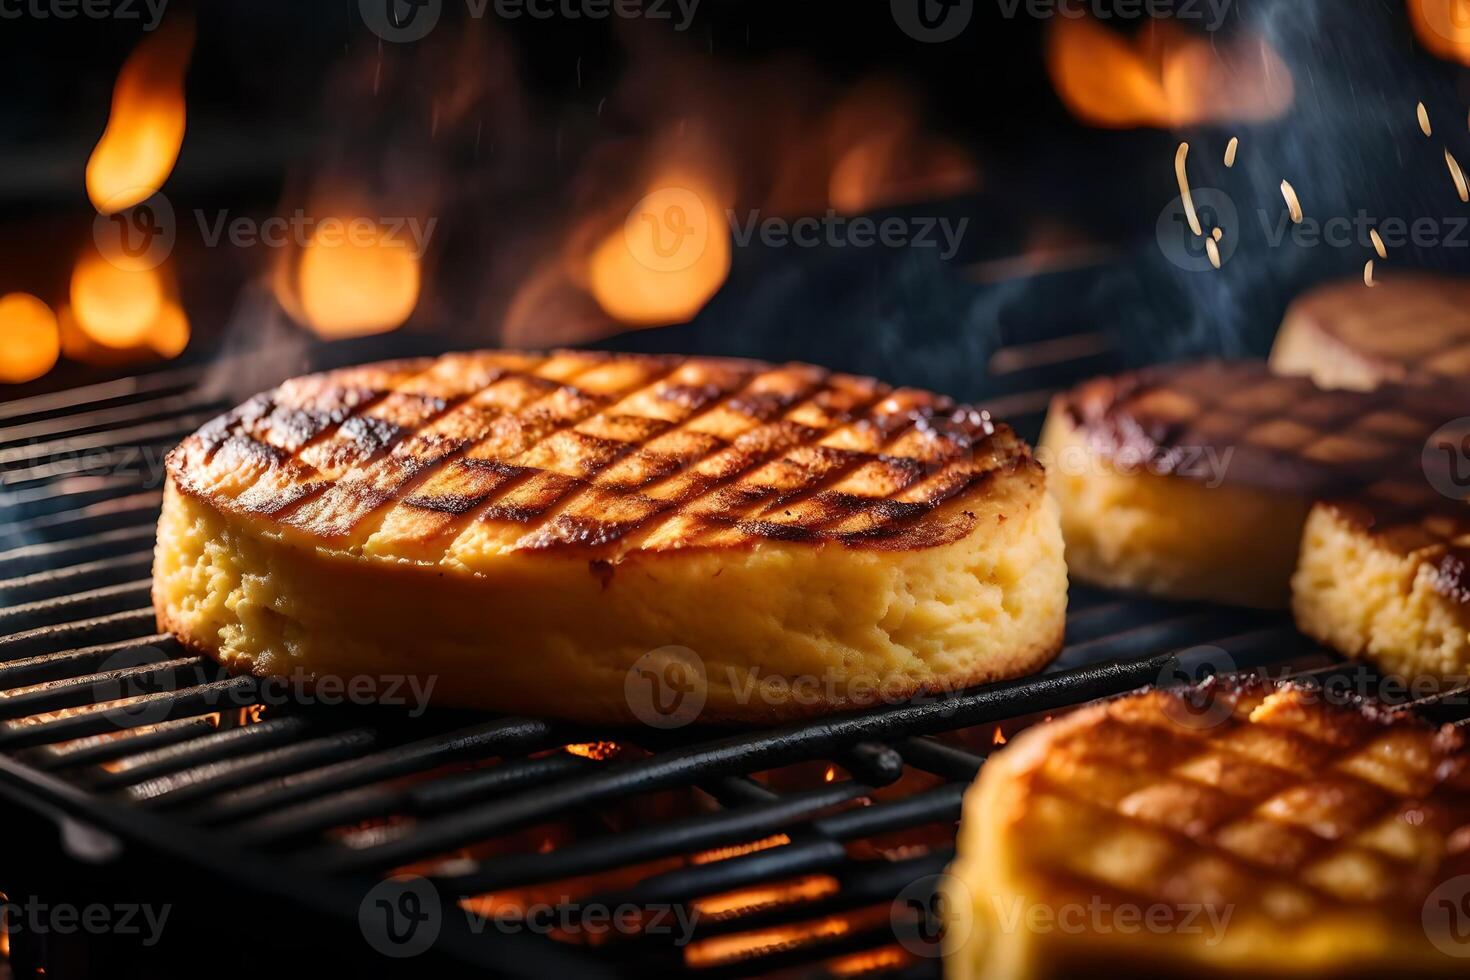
[[274, 96]]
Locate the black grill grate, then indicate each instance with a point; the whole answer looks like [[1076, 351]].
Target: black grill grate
[[261, 802]]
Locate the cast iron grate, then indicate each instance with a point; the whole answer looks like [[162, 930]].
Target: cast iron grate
[[792, 843]]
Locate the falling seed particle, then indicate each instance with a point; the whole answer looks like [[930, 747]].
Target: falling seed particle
[[1184, 193], [1217, 234], [1458, 175], [1293, 203], [1424, 120], [1378, 245], [1214, 251], [1368, 275], [1231, 151]]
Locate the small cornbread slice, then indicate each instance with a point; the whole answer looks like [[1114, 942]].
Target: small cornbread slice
[[1386, 577], [1194, 481], [521, 532], [1412, 328], [1230, 831]]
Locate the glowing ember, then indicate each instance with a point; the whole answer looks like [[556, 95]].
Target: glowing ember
[[726, 949], [748, 900], [1165, 77], [594, 750], [668, 258], [999, 738], [145, 130], [30, 340], [874, 961], [115, 307], [1293, 203], [352, 285], [830, 775], [738, 850], [121, 314], [1443, 26]]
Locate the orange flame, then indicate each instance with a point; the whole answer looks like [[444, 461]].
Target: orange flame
[[121, 313], [1443, 26], [352, 284], [1165, 77], [145, 130], [30, 339], [881, 156], [668, 258]]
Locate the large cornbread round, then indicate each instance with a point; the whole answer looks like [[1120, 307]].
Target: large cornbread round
[[523, 532]]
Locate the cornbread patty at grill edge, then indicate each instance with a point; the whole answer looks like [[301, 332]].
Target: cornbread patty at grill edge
[[1194, 481], [1411, 329], [523, 529], [1237, 830], [1386, 576]]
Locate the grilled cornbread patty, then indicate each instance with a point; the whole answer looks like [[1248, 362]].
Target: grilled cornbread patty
[[1194, 481], [1412, 329], [1386, 576], [522, 529], [1236, 830]]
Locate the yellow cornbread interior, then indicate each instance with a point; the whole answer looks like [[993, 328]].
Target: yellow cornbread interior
[[1169, 536], [550, 633], [1367, 599]]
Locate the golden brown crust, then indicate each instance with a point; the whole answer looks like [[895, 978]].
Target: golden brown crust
[[607, 455], [1410, 329], [1310, 828]]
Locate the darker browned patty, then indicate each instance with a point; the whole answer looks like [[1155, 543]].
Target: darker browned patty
[[1410, 329], [1283, 434]]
